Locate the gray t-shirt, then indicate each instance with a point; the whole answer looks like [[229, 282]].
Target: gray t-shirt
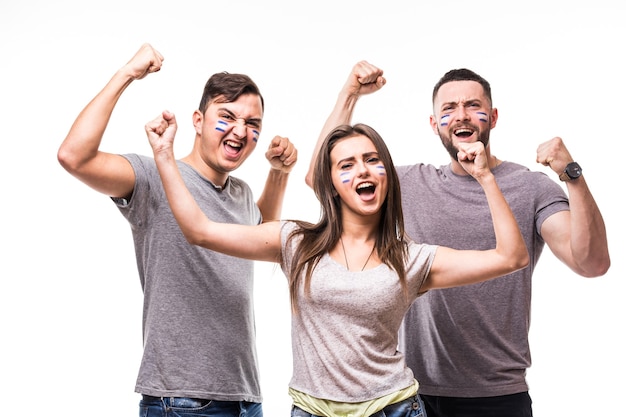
[[345, 334], [198, 319], [472, 341]]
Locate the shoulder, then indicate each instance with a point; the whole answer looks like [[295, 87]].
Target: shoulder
[[288, 230], [287, 226], [419, 170], [140, 161], [238, 181], [144, 168], [419, 167], [420, 260], [239, 184], [423, 249], [514, 172]]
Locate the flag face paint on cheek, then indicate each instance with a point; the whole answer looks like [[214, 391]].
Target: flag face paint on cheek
[[255, 135], [345, 177], [381, 170], [482, 116], [445, 119], [222, 126]]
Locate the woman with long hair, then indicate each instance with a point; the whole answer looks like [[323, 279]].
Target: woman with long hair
[[354, 273]]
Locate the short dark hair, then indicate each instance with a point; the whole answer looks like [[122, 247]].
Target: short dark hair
[[463, 74], [230, 86]]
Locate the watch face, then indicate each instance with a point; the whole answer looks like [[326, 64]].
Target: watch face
[[573, 170]]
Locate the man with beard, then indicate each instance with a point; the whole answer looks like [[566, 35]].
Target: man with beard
[[468, 346]]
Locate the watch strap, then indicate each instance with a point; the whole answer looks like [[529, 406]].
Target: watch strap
[[564, 176], [571, 172]]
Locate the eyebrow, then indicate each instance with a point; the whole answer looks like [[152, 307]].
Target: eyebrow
[[462, 102], [341, 161], [234, 116], [352, 158]]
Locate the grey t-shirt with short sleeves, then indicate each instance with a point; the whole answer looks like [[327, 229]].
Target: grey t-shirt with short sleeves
[[198, 319], [345, 334], [472, 341]]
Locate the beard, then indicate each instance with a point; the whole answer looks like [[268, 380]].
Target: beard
[[448, 143]]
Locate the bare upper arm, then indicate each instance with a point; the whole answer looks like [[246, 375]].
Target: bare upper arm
[[556, 232], [452, 267], [110, 174]]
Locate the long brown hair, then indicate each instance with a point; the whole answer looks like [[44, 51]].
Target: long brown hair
[[318, 239]]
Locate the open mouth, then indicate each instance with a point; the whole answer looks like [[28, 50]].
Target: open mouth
[[233, 147], [463, 132], [366, 188]]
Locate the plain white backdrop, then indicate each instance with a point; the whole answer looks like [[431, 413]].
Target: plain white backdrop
[[70, 299]]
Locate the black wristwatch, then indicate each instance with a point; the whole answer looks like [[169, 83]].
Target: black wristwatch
[[572, 171]]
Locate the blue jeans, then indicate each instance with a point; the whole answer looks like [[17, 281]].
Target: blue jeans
[[411, 407], [194, 407]]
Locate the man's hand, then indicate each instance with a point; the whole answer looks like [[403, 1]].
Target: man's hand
[[146, 60], [554, 154], [473, 159], [281, 154], [161, 132], [365, 78]]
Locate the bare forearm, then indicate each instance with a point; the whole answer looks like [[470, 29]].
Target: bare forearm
[[341, 114], [589, 243], [509, 241], [80, 152], [192, 221], [83, 140], [271, 200]]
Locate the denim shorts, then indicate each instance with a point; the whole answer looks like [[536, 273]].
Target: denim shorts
[[196, 407], [411, 407]]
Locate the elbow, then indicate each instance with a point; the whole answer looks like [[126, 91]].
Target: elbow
[[521, 260], [597, 268], [65, 159], [308, 179], [194, 239], [592, 263], [603, 267], [196, 228], [69, 160]]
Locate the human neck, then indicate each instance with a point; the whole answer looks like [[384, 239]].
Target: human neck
[[217, 178], [345, 255]]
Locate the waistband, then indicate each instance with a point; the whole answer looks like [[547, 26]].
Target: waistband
[[178, 401]]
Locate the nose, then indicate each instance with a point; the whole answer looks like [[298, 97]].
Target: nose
[[462, 113], [239, 128], [362, 169]]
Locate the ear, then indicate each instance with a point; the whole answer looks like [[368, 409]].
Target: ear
[[198, 119], [434, 124], [494, 117]]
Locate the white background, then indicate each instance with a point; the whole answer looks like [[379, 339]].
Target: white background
[[70, 305]]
